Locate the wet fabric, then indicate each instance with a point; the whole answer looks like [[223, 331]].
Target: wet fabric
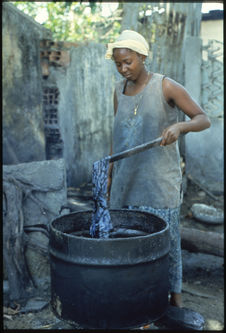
[[172, 217], [131, 40], [153, 177], [101, 221]]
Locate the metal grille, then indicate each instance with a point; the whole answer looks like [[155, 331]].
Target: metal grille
[[212, 79]]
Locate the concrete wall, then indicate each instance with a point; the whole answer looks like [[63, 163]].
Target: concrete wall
[[212, 29], [23, 136], [45, 183], [205, 156], [204, 151], [78, 84], [85, 109]]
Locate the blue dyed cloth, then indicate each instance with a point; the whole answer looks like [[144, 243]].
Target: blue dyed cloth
[[172, 216], [101, 221]]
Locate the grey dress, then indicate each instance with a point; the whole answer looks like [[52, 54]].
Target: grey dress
[[150, 180]]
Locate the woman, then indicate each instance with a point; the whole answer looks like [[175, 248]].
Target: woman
[[146, 107]]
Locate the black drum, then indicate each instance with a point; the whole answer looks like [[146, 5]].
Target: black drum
[[116, 283]]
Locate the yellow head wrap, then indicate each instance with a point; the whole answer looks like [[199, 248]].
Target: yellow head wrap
[[131, 40]]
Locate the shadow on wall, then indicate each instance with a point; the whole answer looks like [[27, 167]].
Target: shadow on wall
[[23, 130], [57, 100]]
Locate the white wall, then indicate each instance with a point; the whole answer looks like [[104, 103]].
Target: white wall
[[212, 29]]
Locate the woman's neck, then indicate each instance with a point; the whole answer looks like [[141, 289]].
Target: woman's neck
[[135, 86], [142, 78]]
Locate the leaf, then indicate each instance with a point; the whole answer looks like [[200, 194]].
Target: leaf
[[69, 21]]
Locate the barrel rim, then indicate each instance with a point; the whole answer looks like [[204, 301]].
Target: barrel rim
[[110, 251], [166, 228]]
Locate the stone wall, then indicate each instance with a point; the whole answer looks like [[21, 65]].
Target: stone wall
[[57, 98], [23, 132], [204, 151], [44, 191], [44, 181]]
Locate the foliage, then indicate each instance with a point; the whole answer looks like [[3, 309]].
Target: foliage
[[75, 21], [29, 8]]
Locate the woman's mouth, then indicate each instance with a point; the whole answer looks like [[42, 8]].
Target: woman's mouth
[[127, 76]]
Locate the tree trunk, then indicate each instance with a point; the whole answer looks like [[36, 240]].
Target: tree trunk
[[195, 240]]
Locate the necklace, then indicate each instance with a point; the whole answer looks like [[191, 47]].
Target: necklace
[[136, 107], [138, 104]]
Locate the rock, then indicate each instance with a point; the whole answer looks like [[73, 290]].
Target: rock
[[34, 305], [208, 214], [201, 194], [47, 180], [43, 186]]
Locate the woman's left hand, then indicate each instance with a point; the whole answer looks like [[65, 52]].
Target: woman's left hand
[[170, 134]]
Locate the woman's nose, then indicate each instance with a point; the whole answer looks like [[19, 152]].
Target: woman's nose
[[124, 69]]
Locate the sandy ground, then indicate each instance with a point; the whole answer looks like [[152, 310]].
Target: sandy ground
[[203, 274]]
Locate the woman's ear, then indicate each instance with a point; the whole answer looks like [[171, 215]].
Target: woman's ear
[[142, 58]]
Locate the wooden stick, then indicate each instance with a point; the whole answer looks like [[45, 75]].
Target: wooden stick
[[197, 240], [201, 187]]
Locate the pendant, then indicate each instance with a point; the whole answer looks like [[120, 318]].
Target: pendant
[[135, 110]]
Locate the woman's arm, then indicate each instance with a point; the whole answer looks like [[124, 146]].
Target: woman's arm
[[176, 94]]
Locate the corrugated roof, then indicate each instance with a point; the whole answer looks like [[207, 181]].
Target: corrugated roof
[[213, 15]]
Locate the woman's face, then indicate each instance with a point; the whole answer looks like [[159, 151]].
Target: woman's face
[[129, 63]]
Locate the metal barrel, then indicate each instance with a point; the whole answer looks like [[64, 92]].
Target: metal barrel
[[114, 283]]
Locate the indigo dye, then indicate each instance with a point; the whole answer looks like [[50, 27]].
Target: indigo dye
[[101, 221]]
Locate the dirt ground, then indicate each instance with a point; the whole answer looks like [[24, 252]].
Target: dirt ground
[[203, 274]]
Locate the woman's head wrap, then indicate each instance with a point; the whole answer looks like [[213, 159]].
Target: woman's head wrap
[[131, 40]]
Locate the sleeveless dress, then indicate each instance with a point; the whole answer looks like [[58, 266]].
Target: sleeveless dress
[[150, 180], [153, 177]]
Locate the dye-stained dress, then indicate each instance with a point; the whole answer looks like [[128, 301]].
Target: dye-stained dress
[[172, 217], [151, 179]]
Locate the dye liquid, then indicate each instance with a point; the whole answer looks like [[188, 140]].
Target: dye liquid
[[101, 224]]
